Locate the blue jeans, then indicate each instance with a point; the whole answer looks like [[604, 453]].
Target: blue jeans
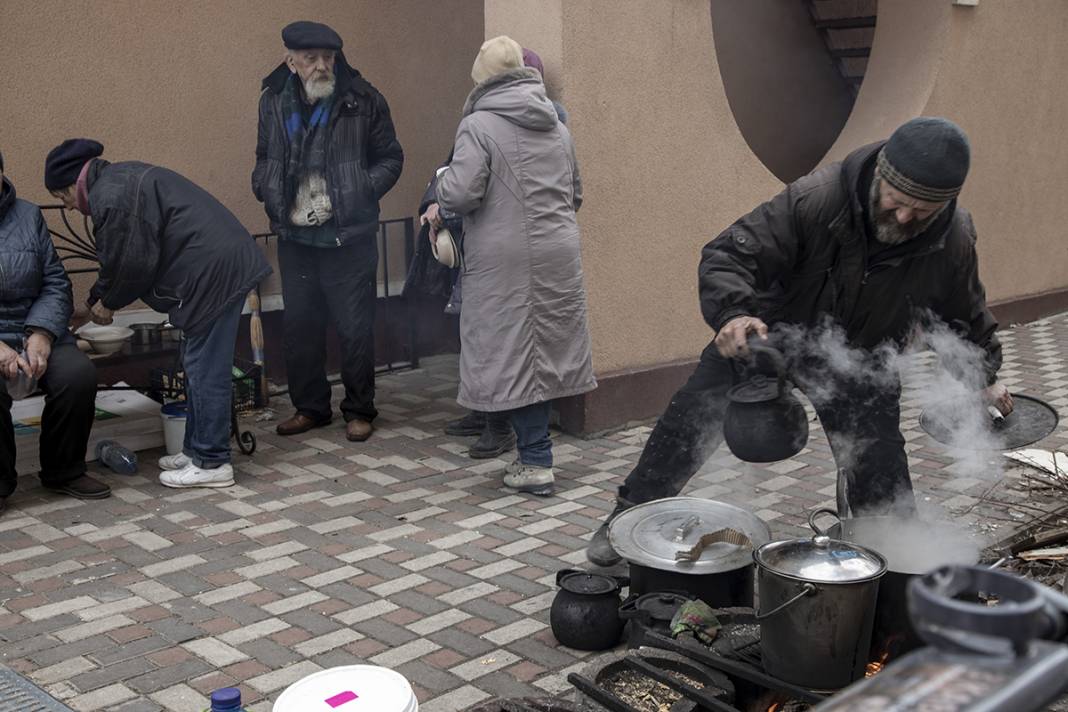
[[207, 358], [531, 424]]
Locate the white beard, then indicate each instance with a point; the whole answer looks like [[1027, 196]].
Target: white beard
[[316, 89]]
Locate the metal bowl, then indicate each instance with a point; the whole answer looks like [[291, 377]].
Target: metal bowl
[[146, 334]]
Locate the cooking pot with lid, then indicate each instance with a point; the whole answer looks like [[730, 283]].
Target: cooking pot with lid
[[817, 606], [765, 422], [651, 536]]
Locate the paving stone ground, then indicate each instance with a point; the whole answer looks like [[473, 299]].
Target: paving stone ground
[[399, 551]]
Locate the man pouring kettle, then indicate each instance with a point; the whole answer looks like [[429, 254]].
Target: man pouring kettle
[[870, 246]]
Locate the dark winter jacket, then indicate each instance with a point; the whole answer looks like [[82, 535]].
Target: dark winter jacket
[[803, 256], [364, 158], [34, 288], [165, 240]]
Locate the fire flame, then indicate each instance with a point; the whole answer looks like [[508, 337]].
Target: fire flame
[[876, 666], [774, 707]]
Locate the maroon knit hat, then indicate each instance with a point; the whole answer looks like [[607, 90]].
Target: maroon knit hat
[[532, 60]]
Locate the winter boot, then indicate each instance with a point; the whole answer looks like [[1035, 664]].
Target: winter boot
[[599, 551], [497, 438], [471, 424]]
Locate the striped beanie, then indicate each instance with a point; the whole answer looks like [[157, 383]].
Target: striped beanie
[[926, 158]]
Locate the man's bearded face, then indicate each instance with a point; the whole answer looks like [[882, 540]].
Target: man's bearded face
[[315, 68], [899, 217]]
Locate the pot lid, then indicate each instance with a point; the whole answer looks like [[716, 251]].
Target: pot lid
[[588, 584], [651, 534], [956, 421], [758, 389], [821, 560], [661, 605]]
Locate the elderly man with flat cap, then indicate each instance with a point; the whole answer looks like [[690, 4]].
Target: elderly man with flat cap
[[872, 247], [326, 153]]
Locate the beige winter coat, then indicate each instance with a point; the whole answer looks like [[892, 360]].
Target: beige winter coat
[[513, 177]]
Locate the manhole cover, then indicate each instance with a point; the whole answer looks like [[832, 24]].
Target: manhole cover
[[957, 424], [17, 694]]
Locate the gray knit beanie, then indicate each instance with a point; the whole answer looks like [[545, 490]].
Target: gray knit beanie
[[926, 158]]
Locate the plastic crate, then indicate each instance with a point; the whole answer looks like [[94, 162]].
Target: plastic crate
[[169, 384]]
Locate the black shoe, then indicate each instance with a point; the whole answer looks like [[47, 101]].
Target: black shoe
[[82, 487], [495, 440], [599, 551], [471, 424]]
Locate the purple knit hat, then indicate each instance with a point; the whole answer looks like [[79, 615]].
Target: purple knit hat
[[532, 60]]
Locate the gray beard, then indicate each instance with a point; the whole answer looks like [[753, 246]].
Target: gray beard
[[887, 229], [317, 89]]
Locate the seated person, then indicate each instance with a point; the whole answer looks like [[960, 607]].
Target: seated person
[[35, 308]]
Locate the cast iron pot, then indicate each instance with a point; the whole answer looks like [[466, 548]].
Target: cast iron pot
[[650, 535], [765, 422], [585, 611], [651, 611], [911, 548]]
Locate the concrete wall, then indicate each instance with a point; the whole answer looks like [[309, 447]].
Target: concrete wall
[[995, 69], [178, 83], [787, 96], [663, 163]]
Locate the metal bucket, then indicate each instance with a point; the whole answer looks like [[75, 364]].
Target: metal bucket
[[817, 605]]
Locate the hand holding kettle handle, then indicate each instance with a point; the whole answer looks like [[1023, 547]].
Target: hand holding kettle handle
[[778, 361]]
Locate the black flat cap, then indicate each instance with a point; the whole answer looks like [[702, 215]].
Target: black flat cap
[[65, 161], [927, 158], [310, 35]]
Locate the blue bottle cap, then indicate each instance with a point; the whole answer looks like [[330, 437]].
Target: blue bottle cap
[[226, 699]]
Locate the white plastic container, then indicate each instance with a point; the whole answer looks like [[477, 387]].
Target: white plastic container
[[173, 416], [352, 688]]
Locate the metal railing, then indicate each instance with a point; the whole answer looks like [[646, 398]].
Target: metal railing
[[76, 245]]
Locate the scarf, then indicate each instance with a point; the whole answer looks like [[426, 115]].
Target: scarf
[[307, 137], [81, 189]]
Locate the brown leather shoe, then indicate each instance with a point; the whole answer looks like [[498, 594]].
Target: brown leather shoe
[[298, 424], [82, 487], [358, 430]]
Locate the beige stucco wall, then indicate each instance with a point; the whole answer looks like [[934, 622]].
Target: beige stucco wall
[[663, 164], [178, 83], [784, 89]]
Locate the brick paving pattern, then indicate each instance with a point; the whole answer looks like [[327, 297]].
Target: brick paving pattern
[[399, 551]]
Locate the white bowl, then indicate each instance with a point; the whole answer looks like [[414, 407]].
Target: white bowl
[[105, 339]]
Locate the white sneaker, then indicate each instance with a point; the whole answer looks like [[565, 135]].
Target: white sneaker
[[174, 462], [528, 478], [193, 476]]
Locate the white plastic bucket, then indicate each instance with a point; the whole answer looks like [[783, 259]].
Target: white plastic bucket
[[173, 416], [351, 688]]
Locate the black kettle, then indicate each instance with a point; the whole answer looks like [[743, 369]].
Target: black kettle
[[765, 422], [585, 611]]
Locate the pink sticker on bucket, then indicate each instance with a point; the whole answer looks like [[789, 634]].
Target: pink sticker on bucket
[[340, 699]]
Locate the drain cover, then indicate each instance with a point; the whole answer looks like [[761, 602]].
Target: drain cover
[[17, 694]]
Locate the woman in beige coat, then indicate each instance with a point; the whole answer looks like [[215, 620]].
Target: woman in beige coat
[[523, 333]]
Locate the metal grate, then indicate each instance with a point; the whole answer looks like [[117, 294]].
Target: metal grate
[[17, 694]]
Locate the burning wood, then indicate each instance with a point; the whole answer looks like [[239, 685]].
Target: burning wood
[[876, 666]]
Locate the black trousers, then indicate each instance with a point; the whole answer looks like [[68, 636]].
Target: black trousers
[[339, 284], [69, 385], [861, 420]]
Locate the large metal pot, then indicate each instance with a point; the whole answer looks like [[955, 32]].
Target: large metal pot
[[651, 535], [817, 605], [911, 546]]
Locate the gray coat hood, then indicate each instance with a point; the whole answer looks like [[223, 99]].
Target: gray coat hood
[[518, 96]]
